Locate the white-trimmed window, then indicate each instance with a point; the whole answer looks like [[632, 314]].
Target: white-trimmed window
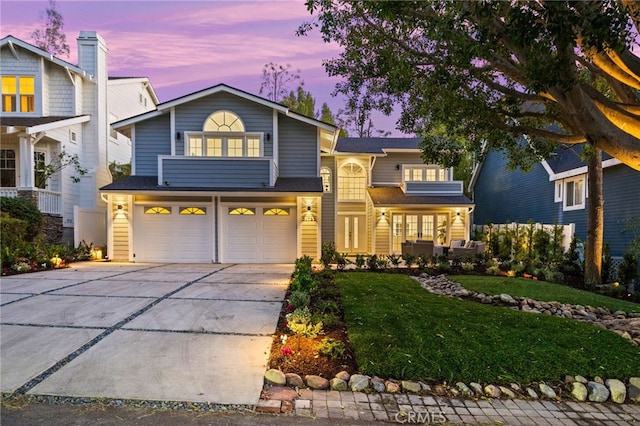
[[352, 182], [18, 93], [424, 173], [193, 210], [7, 167], [325, 174], [574, 193], [223, 135]]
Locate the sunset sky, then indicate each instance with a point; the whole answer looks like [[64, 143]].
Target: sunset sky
[[185, 46]]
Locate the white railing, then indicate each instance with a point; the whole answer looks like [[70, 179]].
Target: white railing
[[49, 202], [9, 192]]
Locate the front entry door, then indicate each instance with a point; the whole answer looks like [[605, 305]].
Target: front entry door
[[351, 234]]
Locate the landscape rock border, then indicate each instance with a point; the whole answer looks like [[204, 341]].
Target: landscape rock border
[[275, 400]]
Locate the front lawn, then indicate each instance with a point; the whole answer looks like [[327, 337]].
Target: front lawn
[[542, 291], [399, 330]]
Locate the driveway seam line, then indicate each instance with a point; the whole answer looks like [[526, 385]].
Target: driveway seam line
[[82, 349], [76, 284]]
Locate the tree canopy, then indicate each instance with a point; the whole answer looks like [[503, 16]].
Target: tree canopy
[[494, 72]]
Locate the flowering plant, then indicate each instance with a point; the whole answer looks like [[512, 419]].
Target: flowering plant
[[286, 351]]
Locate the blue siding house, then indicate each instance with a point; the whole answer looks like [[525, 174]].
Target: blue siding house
[[222, 175], [556, 191]]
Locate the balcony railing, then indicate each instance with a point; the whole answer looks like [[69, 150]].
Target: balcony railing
[[452, 187], [48, 201]]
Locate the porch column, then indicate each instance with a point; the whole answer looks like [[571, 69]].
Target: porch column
[[26, 162]]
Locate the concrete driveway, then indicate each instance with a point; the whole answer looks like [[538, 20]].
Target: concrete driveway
[[160, 332]]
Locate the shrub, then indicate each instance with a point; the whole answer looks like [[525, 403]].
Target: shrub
[[326, 307], [360, 261], [12, 231], [409, 259], [332, 348], [20, 208], [341, 261], [328, 321], [372, 262], [299, 322], [628, 270], [328, 254], [493, 270], [299, 299], [394, 259]]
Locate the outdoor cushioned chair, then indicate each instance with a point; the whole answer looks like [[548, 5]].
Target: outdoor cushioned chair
[[418, 248], [469, 249]]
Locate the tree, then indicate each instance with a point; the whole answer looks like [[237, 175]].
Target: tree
[[356, 116], [301, 102], [51, 37], [119, 171], [496, 73], [276, 80], [326, 116], [62, 160]]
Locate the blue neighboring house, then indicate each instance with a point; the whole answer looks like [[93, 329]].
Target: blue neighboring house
[[556, 191]]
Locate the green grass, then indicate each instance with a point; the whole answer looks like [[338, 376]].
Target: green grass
[[399, 330], [542, 291]]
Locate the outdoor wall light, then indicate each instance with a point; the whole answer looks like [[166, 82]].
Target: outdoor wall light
[[397, 166], [120, 207], [268, 136], [308, 208], [178, 135], [383, 213]]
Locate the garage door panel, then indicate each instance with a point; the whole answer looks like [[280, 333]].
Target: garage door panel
[[260, 238], [172, 237]]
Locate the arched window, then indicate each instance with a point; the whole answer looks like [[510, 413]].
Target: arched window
[[223, 135], [223, 121], [325, 174], [352, 182], [241, 211]]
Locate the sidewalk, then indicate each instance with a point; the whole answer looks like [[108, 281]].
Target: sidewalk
[[416, 409]]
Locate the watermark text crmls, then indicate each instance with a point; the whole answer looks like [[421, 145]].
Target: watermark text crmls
[[430, 417]]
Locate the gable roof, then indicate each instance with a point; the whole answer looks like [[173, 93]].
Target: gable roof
[[568, 157], [11, 41], [166, 106], [142, 80], [376, 145]]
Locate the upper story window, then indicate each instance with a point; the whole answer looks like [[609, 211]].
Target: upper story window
[[18, 93], [325, 174], [422, 173], [224, 136], [572, 193], [352, 182]]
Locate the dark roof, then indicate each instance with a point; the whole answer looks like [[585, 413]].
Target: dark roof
[[32, 121], [567, 157], [123, 78], [375, 145], [393, 196], [150, 183]]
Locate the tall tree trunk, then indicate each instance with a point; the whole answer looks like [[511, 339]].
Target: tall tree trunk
[[595, 222]]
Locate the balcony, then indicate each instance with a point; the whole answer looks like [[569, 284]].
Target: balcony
[[452, 187], [48, 202], [212, 172]]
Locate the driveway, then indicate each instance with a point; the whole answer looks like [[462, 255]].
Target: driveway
[[160, 332]]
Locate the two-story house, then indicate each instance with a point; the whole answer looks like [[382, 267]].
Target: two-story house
[[49, 107], [555, 191], [222, 175]]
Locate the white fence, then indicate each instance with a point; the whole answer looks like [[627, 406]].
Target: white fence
[[90, 226]]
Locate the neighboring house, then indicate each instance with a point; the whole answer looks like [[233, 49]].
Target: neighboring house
[[50, 106], [556, 191], [222, 175]]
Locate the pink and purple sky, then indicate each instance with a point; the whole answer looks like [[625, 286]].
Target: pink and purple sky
[[185, 46]]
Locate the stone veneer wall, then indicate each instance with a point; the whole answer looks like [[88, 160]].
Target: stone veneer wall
[[51, 224]]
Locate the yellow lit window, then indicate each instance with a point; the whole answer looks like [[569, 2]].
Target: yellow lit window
[[276, 212], [253, 147], [193, 210], [16, 88], [214, 147], [234, 147], [223, 121], [157, 210], [241, 211]]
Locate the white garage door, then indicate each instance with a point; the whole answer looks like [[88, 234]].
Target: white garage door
[[172, 233], [259, 234]]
